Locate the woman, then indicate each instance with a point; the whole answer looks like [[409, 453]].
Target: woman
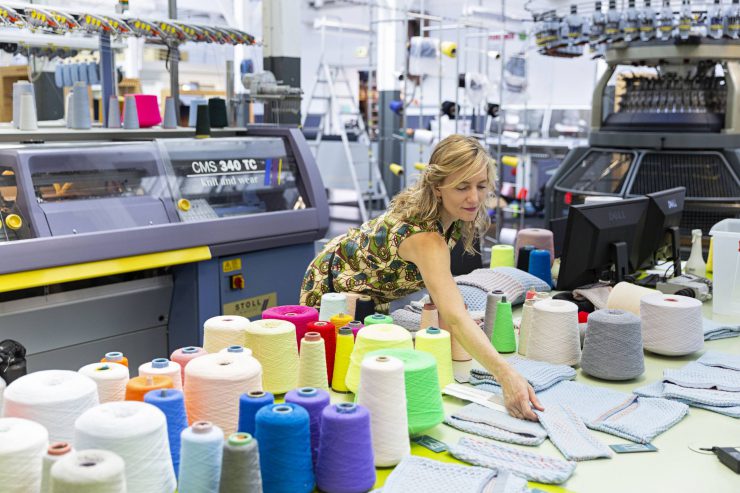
[[408, 248]]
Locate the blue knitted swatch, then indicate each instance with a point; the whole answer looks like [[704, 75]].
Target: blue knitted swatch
[[417, 474], [531, 466], [699, 376], [569, 434], [715, 330], [539, 374], [692, 397], [721, 360], [489, 423]]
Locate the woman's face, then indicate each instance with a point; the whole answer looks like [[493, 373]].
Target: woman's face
[[464, 199]]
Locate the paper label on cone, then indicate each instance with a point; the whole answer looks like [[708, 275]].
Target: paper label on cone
[[251, 307]]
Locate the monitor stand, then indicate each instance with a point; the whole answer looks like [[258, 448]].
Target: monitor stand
[[620, 259], [673, 231]]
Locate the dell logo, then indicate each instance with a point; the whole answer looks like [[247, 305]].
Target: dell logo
[[672, 204], [617, 215]]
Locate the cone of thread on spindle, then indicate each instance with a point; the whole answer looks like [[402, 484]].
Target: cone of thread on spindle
[[202, 122], [240, 466], [503, 338]]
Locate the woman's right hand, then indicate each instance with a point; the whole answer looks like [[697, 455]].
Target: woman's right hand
[[519, 396]]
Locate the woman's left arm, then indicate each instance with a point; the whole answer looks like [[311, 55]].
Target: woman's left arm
[[431, 255]]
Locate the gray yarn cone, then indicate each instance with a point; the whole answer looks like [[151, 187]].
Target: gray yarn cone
[[170, 113], [130, 114], [612, 348], [114, 113], [79, 108]]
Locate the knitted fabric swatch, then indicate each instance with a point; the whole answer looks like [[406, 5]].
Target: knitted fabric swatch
[[489, 423], [508, 482], [417, 474], [540, 375], [715, 330], [616, 413], [407, 319], [721, 360], [710, 397], [698, 376], [475, 298], [531, 466], [513, 282], [656, 389], [570, 435]]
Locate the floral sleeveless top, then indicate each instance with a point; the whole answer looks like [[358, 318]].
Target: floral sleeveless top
[[365, 261]]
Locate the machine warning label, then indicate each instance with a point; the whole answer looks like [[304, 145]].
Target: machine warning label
[[232, 265], [251, 307]]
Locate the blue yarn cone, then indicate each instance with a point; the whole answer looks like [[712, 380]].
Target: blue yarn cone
[[539, 265], [249, 404], [172, 404]]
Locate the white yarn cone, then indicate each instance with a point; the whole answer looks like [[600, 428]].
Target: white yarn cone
[[27, 113], [54, 452], [224, 331], [89, 471], [163, 366], [525, 326], [554, 336], [137, 432], [111, 379], [52, 398], [22, 447], [383, 392], [672, 325]]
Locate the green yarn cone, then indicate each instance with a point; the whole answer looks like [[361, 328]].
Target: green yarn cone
[[423, 398], [503, 338]]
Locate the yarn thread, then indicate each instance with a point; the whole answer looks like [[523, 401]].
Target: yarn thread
[[345, 345], [525, 325], [312, 363], [328, 333], [489, 320], [522, 257], [502, 256], [185, 355], [340, 320], [111, 379], [201, 454], [137, 432], [503, 338], [378, 318], [273, 344], [172, 403], [345, 432], [423, 399], [52, 398], [612, 347], [224, 331], [540, 239], [437, 343], [373, 338], [355, 325], [215, 383], [22, 447], [137, 387], [240, 467], [285, 449], [331, 304], [115, 357], [383, 392], [554, 337], [54, 452], [314, 401], [540, 265], [89, 471], [299, 315], [363, 307], [249, 404], [671, 324], [163, 366]]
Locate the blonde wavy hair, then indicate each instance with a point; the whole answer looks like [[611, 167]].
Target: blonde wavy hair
[[454, 153]]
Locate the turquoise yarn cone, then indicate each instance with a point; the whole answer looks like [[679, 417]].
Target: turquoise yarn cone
[[503, 338]]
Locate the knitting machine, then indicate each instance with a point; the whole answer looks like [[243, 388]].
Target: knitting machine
[[665, 114], [132, 245]]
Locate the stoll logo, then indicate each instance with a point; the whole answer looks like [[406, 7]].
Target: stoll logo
[[617, 215], [672, 204]]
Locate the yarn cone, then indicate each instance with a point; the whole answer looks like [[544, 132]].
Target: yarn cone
[[130, 113], [503, 338], [114, 113], [170, 113]]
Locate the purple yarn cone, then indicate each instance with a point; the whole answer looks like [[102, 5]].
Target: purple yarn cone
[[346, 462], [314, 401]]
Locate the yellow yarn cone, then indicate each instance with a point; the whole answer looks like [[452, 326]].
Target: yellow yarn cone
[[345, 345]]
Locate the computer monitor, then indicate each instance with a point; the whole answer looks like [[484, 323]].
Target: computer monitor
[[661, 236], [600, 242]]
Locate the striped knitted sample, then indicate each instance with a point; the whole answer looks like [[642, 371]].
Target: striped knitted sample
[[710, 397], [715, 330], [698, 376], [721, 360], [531, 466], [407, 319], [513, 282], [570, 435], [417, 474], [489, 423], [616, 413], [656, 389], [540, 375]]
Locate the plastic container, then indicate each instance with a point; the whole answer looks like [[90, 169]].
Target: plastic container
[[726, 259]]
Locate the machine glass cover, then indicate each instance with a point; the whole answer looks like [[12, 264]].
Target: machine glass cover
[[600, 172], [231, 177], [569, 123]]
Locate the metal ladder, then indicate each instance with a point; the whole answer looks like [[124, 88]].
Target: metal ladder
[[328, 79]]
